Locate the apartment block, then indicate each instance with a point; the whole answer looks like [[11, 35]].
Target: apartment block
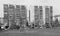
[[17, 14], [36, 15], [5, 18], [51, 14], [11, 12], [41, 15], [23, 15], [48, 15]]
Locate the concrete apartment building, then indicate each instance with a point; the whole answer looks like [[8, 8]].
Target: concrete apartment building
[[38, 15], [15, 14], [5, 18], [43, 3], [23, 14], [18, 14], [41, 22], [48, 15], [51, 14], [11, 13], [8, 14]]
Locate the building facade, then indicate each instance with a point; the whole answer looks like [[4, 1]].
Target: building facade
[[51, 14], [11, 12], [36, 15], [17, 15], [5, 18], [48, 15], [23, 15], [41, 15]]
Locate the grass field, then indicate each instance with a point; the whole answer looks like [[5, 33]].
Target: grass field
[[39, 32]]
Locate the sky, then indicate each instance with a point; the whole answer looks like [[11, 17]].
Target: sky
[[30, 3]]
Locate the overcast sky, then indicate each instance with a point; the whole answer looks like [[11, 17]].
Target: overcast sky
[[30, 3]]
